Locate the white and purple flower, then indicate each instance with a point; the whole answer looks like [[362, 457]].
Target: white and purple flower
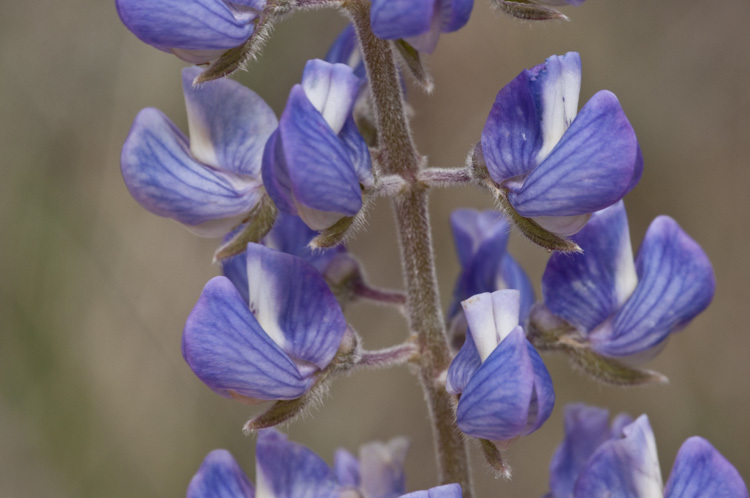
[[211, 181], [627, 308], [273, 345], [621, 461], [506, 391], [556, 164], [316, 163]]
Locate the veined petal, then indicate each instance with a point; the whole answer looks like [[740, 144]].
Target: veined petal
[[228, 350], [463, 366], [229, 124], [512, 135], [382, 467], [164, 178], [589, 169], [495, 403], [444, 491], [332, 90], [455, 14], [491, 317], [556, 85], [676, 282], [513, 277], [623, 468], [321, 174], [700, 471], [359, 153], [586, 428], [293, 304], [586, 289], [472, 229], [285, 469], [394, 19], [219, 476], [543, 397], [193, 25], [275, 175], [235, 269]]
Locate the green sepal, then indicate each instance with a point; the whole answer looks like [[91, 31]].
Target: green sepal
[[235, 58], [523, 9], [333, 235], [495, 459], [610, 371], [413, 62], [549, 332], [257, 224]]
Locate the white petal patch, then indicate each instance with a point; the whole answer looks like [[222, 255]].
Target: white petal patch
[[626, 277], [263, 298], [506, 306], [559, 99], [331, 89], [479, 316]]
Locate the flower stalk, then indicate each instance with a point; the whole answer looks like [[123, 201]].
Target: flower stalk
[[398, 155]]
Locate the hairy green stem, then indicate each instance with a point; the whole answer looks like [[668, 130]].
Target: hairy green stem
[[398, 156]]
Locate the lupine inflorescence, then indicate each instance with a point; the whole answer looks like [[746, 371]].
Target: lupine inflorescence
[[285, 193]]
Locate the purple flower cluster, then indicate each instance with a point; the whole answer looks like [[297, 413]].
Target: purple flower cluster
[[272, 328], [596, 459], [285, 469]]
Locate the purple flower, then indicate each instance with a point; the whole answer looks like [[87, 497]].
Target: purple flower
[[316, 164], [286, 469], [622, 307], [345, 50], [621, 461], [196, 31], [559, 166], [273, 349], [506, 390], [291, 236], [420, 22], [481, 241], [211, 181]]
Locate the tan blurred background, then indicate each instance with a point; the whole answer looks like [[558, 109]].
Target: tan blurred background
[[95, 399]]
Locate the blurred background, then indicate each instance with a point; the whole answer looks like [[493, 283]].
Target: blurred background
[[95, 399]]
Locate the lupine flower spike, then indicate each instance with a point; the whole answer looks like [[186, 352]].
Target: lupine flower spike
[[505, 389], [614, 307], [210, 182], [549, 165], [595, 459]]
